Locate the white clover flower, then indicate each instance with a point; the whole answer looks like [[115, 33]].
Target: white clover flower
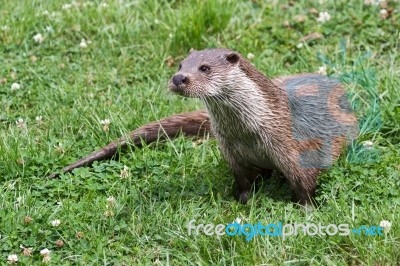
[[55, 223], [49, 29], [46, 259], [380, 32], [124, 172], [300, 18], [105, 123], [26, 251], [13, 258], [54, 14], [83, 44], [386, 225], [373, 2], [27, 219], [38, 118], [46, 255], [66, 6], [111, 201], [103, 5], [250, 56], [368, 144], [323, 17], [322, 70], [45, 252], [20, 123], [15, 86], [59, 243], [108, 213], [59, 148], [237, 220], [45, 13], [75, 4], [299, 45], [33, 59], [38, 38]]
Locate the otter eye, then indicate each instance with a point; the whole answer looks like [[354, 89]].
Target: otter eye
[[204, 68], [180, 66]]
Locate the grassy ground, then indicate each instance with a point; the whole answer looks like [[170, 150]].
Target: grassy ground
[[132, 48]]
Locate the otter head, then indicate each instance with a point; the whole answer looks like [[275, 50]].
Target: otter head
[[205, 73]]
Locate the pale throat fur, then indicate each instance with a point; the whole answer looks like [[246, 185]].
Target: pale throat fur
[[243, 116]]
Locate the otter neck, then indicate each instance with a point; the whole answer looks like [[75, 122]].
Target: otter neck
[[240, 108]]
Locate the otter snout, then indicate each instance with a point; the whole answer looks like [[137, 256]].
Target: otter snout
[[178, 83], [179, 79]]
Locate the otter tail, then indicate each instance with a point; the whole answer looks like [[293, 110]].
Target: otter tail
[[195, 123]]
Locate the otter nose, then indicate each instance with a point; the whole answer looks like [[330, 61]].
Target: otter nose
[[179, 79]]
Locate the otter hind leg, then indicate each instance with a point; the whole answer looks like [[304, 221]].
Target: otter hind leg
[[303, 186]]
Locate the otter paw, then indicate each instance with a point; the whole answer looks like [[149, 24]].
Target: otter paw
[[242, 196]]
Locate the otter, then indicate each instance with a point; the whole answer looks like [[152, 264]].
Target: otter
[[296, 124]]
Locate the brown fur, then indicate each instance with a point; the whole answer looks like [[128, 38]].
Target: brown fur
[[252, 122], [250, 116]]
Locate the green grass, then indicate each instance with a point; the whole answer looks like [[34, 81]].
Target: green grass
[[122, 76]]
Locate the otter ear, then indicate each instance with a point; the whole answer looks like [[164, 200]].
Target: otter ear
[[232, 58]]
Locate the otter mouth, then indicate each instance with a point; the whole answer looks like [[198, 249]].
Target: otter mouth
[[181, 89]]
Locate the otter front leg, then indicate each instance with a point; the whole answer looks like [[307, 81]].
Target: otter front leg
[[245, 177]]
